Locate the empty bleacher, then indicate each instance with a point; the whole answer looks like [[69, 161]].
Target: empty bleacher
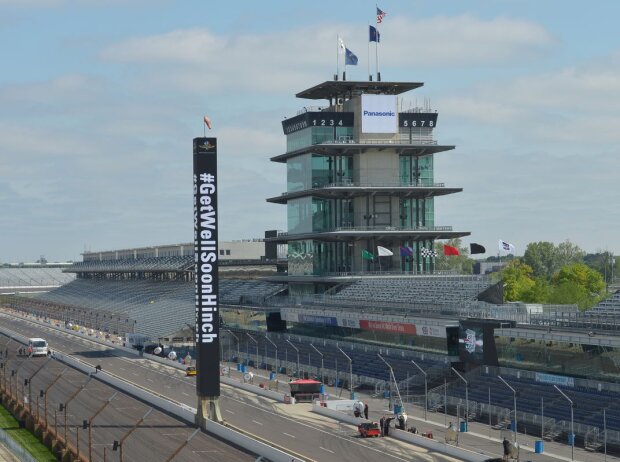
[[18, 279], [421, 289], [158, 307]]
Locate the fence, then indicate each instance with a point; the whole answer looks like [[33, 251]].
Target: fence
[[18, 451]]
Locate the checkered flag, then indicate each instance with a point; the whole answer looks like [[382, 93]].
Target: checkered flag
[[428, 252]]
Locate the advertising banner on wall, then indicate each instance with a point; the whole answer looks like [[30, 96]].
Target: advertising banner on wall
[[206, 266], [314, 319], [385, 326], [379, 114]]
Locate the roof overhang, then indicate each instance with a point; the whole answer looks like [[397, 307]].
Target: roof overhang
[[338, 88], [333, 192], [343, 149], [360, 234]]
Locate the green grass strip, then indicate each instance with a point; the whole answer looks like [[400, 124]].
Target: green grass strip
[[26, 439]]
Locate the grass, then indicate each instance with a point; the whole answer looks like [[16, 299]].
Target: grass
[[26, 439]]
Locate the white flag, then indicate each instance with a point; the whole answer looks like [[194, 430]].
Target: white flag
[[341, 48], [383, 252], [506, 247]]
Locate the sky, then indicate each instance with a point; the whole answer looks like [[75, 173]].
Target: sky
[[100, 100]]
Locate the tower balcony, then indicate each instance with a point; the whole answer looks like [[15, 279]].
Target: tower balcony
[[349, 189], [361, 232]]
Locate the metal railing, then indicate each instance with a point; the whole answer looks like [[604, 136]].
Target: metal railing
[[349, 183], [412, 142]]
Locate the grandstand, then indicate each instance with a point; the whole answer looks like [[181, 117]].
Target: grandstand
[[32, 278]]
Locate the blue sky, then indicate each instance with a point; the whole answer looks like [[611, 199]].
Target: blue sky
[[99, 101]]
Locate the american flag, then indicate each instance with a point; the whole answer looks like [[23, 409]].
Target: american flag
[[380, 15], [427, 252]]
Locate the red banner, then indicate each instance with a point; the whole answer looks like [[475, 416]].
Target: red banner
[[384, 326]]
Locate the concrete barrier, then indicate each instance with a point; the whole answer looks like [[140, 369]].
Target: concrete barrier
[[158, 359], [418, 440], [180, 410]]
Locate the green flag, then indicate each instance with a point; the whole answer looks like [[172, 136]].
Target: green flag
[[366, 255]]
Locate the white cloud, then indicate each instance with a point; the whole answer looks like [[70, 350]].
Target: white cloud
[[198, 60], [579, 104]]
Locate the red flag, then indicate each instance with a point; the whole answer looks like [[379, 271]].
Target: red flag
[[208, 122], [448, 250]]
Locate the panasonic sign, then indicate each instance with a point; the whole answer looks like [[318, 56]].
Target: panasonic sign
[[379, 114]]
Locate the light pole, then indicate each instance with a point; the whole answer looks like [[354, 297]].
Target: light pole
[[238, 342], [393, 377], [256, 342], [169, 459], [315, 349], [119, 444], [276, 347], [350, 371], [572, 428], [514, 395], [89, 424], [425, 388], [65, 405], [466, 398], [44, 393], [297, 350], [29, 382]]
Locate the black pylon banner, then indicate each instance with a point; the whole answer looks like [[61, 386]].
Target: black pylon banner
[[206, 264]]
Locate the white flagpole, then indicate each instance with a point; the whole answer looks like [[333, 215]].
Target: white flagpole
[[337, 57], [368, 49]]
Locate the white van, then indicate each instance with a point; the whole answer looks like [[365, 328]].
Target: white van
[[37, 347]]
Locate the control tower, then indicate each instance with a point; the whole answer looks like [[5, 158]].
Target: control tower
[[360, 176]]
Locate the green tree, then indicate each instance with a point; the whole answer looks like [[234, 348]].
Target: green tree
[[568, 253], [539, 293], [518, 281], [542, 258], [580, 281]]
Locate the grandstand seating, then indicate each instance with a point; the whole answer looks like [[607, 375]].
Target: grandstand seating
[[588, 407], [365, 359], [158, 307], [422, 289], [176, 263], [33, 277], [610, 305]]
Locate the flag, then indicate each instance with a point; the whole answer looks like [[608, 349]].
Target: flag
[[449, 250], [366, 255], [476, 248], [380, 15], [426, 253], [341, 46], [373, 34], [383, 252], [207, 122], [506, 247], [349, 58], [406, 252]]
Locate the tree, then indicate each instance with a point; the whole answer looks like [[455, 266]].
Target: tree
[[584, 284], [518, 281], [546, 259], [568, 253], [539, 293], [603, 262], [542, 258]]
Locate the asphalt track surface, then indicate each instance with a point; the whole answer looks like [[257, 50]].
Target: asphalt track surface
[[309, 435], [155, 440]]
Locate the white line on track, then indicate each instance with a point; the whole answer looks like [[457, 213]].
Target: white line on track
[[229, 411], [385, 454], [288, 434], [257, 423], [325, 449]]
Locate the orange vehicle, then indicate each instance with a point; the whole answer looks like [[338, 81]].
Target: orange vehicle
[[368, 430]]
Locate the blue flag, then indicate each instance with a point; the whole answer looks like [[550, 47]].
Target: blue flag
[[373, 34], [349, 58]]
